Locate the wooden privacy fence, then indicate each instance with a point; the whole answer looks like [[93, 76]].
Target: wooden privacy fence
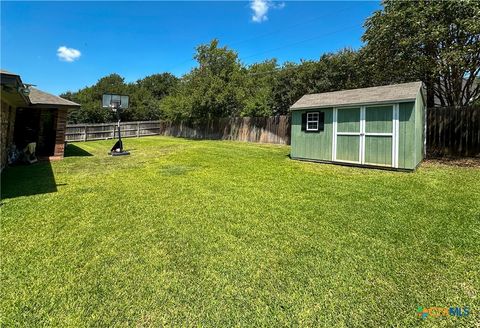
[[253, 129], [102, 131], [450, 131], [453, 131]]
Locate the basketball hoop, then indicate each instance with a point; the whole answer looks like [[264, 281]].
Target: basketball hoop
[[116, 103]]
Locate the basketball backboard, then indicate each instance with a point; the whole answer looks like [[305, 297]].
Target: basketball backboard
[[114, 101]]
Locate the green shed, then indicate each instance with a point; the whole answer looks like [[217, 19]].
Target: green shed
[[378, 127]]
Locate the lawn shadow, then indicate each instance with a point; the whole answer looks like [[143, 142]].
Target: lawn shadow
[[75, 151], [27, 180]]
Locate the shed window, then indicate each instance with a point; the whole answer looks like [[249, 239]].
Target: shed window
[[313, 121]]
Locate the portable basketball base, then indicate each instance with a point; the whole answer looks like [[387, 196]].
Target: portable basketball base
[[116, 103]]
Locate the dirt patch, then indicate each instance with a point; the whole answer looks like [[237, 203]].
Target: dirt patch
[[450, 161]]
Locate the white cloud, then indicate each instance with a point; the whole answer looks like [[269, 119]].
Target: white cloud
[[68, 54], [260, 9]]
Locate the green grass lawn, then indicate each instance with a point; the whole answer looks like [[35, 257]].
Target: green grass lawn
[[218, 233]]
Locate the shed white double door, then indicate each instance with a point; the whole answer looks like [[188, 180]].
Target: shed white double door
[[366, 135]]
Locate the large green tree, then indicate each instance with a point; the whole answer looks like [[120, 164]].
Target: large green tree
[[215, 88], [332, 72], [437, 42], [159, 85], [259, 84]]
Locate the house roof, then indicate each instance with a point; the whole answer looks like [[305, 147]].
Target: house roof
[[2, 71], [10, 82], [39, 97], [382, 94]]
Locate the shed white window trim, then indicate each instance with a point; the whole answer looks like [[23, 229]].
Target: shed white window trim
[[313, 121]]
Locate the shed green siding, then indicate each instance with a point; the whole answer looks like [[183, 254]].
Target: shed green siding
[[379, 119], [347, 148], [406, 136], [378, 150], [419, 129], [312, 145], [348, 120]]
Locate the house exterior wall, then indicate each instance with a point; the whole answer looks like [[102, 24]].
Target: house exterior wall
[[7, 117], [319, 145], [61, 125]]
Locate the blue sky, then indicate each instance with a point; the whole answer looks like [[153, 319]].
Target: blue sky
[[64, 46]]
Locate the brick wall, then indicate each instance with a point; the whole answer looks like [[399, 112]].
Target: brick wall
[[61, 124], [7, 120]]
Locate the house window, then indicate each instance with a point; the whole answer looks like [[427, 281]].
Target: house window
[[312, 121]]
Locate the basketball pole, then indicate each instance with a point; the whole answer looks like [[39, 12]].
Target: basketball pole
[[118, 128], [117, 149]]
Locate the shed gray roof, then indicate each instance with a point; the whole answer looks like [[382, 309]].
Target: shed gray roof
[[383, 94], [39, 97]]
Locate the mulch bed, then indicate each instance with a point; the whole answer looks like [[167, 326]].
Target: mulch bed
[[455, 161]]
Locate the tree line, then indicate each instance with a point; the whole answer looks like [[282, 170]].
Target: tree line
[[437, 42]]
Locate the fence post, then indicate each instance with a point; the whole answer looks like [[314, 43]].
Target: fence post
[[138, 129], [85, 132]]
